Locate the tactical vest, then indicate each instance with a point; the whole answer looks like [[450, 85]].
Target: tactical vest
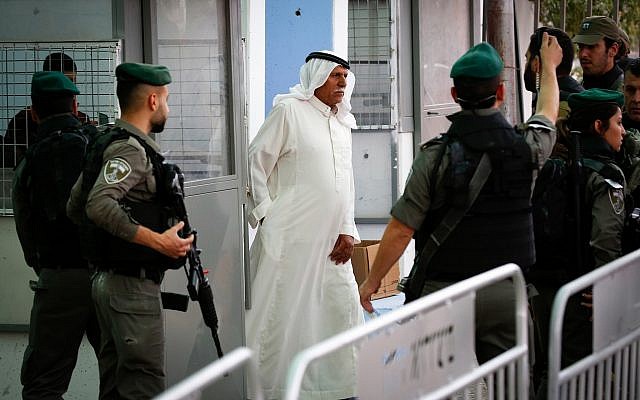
[[107, 251], [498, 227], [557, 238], [52, 166]]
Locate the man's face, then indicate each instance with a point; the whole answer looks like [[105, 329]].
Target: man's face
[[632, 95], [614, 134], [332, 92], [159, 117], [596, 59]]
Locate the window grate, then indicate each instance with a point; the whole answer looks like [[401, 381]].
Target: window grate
[[95, 63], [370, 57], [196, 135]]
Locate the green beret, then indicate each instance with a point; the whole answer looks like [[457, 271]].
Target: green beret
[[155, 75], [481, 61], [593, 97], [47, 83], [597, 27]]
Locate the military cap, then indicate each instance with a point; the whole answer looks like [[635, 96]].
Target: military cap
[[481, 61], [593, 97], [155, 75], [597, 27], [45, 83]]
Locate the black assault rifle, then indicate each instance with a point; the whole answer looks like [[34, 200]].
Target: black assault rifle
[[575, 157], [197, 282]]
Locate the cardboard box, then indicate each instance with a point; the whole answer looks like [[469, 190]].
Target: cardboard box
[[363, 255]]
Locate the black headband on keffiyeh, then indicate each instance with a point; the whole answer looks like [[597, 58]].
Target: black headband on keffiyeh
[[328, 57]]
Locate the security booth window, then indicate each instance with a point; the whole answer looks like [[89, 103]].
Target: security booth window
[[197, 135], [90, 64]]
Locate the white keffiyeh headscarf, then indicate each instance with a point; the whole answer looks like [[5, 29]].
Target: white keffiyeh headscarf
[[313, 74]]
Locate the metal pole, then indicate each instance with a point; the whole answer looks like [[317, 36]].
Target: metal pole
[[563, 15], [536, 14], [616, 11], [501, 34], [589, 8]]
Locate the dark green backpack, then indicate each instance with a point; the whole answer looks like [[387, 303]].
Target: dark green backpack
[[53, 165]]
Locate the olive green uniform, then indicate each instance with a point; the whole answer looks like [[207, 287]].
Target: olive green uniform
[[129, 307], [62, 309], [411, 209], [607, 221], [495, 324]]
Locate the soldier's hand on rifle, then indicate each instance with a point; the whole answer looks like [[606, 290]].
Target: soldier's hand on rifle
[[171, 244]]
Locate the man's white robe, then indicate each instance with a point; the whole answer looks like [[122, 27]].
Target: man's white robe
[[301, 183]]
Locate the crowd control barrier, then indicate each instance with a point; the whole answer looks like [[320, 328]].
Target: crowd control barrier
[[190, 387], [610, 371], [425, 349]]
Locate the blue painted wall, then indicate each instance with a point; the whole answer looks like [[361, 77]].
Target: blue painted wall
[[290, 37]]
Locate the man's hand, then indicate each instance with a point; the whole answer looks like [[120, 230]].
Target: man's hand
[[172, 244], [342, 250], [168, 242], [549, 94], [550, 51], [587, 301], [366, 290]]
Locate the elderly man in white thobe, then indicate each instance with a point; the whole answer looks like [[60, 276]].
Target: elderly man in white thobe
[[301, 196]]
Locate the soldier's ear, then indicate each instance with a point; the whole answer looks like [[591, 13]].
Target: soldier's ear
[[597, 125], [34, 115], [500, 92], [613, 50], [454, 94], [535, 64], [153, 101]]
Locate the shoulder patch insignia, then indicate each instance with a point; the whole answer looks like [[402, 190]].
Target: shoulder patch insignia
[[613, 183], [116, 170], [616, 197]]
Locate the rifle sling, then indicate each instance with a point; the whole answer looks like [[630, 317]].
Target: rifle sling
[[449, 223]]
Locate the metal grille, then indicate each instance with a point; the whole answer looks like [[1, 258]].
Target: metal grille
[[95, 62], [370, 58], [197, 134]]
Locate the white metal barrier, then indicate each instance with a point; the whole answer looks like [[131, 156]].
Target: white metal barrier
[[190, 387], [426, 349], [611, 370]]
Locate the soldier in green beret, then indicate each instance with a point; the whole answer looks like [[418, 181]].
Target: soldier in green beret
[[596, 114], [22, 128], [130, 235], [62, 309], [496, 229]]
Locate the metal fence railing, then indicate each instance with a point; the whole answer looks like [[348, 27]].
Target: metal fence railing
[[611, 369], [190, 387], [426, 348]]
